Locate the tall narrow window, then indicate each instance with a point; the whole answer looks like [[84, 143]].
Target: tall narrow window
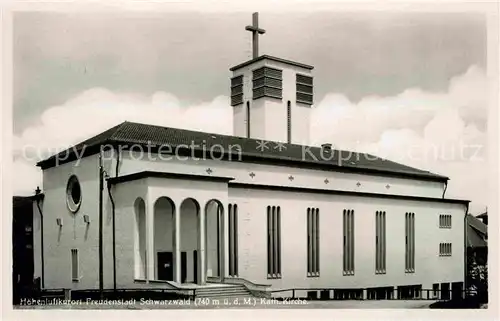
[[289, 122], [313, 242], [444, 221], [444, 249], [273, 242], [348, 234], [74, 265], [380, 245], [233, 239], [410, 242], [248, 119]]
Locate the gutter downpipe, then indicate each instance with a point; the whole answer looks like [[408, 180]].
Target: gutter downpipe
[[114, 236], [101, 254], [37, 195], [113, 210], [466, 274], [445, 187]]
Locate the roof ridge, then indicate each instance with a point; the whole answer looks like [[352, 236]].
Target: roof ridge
[[407, 168], [98, 139], [245, 138], [118, 128], [142, 133]]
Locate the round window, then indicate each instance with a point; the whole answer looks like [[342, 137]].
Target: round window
[[73, 194]]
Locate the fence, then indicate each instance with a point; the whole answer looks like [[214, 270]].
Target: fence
[[110, 294], [388, 293]]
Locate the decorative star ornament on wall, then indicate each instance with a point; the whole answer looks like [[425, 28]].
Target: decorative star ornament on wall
[[262, 145], [280, 146]]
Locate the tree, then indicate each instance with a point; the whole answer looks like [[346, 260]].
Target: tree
[[477, 279]]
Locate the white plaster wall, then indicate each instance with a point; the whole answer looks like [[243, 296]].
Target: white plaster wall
[[300, 112], [258, 116], [269, 116], [279, 175], [429, 267], [239, 120], [74, 233], [275, 119], [301, 119], [125, 196]]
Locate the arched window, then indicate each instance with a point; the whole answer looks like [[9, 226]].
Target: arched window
[[248, 119], [140, 239], [289, 122]]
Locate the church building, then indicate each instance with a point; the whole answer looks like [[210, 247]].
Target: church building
[[143, 206]]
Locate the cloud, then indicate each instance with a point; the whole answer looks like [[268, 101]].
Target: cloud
[[444, 132], [98, 109], [27, 177], [440, 132]]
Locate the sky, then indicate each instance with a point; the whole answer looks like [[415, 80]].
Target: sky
[[410, 87]]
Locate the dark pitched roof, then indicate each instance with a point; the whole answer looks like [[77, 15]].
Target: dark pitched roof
[[146, 174], [477, 232], [236, 149], [482, 215], [477, 224], [289, 62], [475, 239]]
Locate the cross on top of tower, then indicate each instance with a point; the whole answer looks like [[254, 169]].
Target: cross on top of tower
[[254, 28]]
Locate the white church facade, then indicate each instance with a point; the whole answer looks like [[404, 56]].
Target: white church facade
[[260, 208]]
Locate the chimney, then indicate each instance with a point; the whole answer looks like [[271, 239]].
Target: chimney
[[327, 147]]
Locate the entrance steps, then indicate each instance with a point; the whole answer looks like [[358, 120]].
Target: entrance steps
[[227, 291]]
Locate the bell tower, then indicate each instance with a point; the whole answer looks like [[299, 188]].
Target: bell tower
[[271, 97]]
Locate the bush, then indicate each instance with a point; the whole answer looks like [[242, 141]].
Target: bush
[[477, 279]]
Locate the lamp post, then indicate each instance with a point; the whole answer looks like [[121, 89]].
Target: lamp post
[[101, 172]]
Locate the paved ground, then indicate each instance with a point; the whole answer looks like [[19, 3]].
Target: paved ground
[[238, 303]]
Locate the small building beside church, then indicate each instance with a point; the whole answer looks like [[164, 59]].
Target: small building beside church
[[260, 208]]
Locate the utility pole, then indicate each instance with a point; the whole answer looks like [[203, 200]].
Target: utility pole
[[101, 183]]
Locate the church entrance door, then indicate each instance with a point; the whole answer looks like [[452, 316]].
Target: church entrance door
[[165, 266], [183, 267], [195, 266]]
